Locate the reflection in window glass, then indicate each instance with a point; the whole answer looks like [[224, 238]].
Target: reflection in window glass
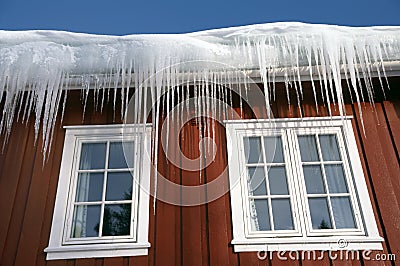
[[308, 148], [252, 149], [257, 181], [117, 219], [119, 186], [277, 180], [121, 155], [86, 221], [93, 156], [282, 214], [320, 217], [90, 187], [273, 149], [261, 220], [342, 212], [329, 147], [313, 178], [335, 178]]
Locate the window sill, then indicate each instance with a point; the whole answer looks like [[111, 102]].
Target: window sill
[[310, 243], [97, 251]]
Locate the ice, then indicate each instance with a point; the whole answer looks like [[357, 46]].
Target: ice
[[38, 68]]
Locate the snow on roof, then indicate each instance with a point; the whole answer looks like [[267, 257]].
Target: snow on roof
[[39, 65], [282, 44]]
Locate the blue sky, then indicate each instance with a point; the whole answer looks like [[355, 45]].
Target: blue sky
[[120, 17]]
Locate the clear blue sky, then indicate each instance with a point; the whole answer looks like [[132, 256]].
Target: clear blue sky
[[120, 17]]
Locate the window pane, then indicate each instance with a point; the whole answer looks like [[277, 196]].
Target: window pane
[[90, 187], [257, 181], [86, 221], [342, 212], [93, 156], [319, 213], [282, 214], [121, 155], [273, 149], [308, 148], [260, 215], [329, 147], [335, 178], [117, 219], [313, 178], [252, 149], [277, 181], [119, 186]]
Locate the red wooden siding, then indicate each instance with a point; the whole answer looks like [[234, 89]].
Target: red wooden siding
[[198, 235]]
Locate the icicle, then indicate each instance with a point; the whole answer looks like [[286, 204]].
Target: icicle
[[230, 90], [309, 59], [214, 110], [38, 68]]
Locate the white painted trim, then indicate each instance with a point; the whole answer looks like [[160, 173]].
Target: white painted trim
[[325, 120], [97, 251], [306, 240], [306, 246], [365, 236], [137, 244], [392, 69]]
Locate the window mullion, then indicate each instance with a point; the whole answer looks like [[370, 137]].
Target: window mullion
[[104, 189], [328, 196], [264, 157], [134, 199], [327, 193], [297, 170], [292, 168], [346, 164]]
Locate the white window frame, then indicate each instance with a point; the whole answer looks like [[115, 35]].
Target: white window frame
[[245, 192], [61, 245], [366, 236]]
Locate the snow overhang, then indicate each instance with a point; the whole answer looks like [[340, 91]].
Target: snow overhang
[[36, 67]]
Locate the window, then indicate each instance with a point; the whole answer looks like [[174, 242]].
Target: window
[[102, 201], [298, 184]]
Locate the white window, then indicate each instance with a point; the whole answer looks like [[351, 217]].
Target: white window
[[298, 184], [102, 202]]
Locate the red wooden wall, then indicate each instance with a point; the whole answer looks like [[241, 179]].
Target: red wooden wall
[[197, 235]]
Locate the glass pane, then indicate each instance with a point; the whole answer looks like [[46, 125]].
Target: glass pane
[[282, 214], [257, 181], [86, 221], [342, 212], [119, 186], [319, 213], [261, 215], [90, 187], [329, 147], [93, 156], [252, 149], [121, 155], [335, 178], [273, 149], [117, 219], [308, 148], [277, 181], [313, 178]]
